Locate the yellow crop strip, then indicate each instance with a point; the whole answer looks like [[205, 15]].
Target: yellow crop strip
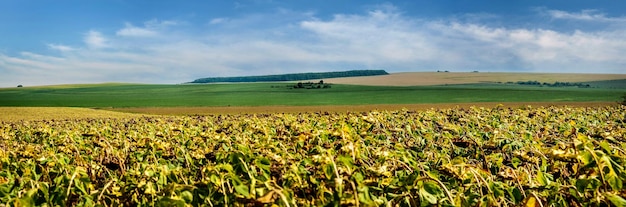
[[56, 113]]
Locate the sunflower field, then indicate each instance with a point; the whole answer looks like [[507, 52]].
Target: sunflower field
[[548, 156]]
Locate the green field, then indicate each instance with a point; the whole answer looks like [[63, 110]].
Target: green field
[[267, 94]]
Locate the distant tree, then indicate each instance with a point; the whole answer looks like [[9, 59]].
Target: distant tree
[[19, 86], [292, 77]]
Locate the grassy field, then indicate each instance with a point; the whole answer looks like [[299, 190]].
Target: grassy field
[[278, 94]]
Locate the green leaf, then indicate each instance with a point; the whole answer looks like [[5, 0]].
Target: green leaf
[[263, 163], [586, 158], [581, 184], [167, 202], [616, 199], [515, 162], [425, 195], [346, 161], [187, 196], [225, 166], [611, 176], [516, 194], [496, 188], [605, 146], [215, 179], [329, 171], [243, 190], [358, 177], [432, 188], [364, 195], [149, 173], [544, 179], [614, 181], [28, 199]]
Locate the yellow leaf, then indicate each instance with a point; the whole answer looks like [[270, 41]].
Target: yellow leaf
[[531, 202], [267, 198]]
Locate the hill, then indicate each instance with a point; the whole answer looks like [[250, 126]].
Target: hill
[[292, 76]]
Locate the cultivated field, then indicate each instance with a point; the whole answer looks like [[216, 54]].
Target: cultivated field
[[8, 114], [283, 94], [342, 108], [497, 156], [267, 144], [441, 78]]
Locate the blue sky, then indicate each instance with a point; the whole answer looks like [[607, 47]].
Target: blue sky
[[45, 42]]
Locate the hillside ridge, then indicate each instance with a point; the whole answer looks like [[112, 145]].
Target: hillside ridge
[[292, 76]]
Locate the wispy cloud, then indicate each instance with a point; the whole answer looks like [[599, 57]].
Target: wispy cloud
[[218, 20], [584, 15], [299, 42], [62, 48], [132, 31], [150, 29]]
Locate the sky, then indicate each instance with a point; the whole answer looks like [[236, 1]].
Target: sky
[[46, 42]]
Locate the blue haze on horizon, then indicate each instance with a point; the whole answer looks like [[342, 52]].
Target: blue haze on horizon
[[45, 42]]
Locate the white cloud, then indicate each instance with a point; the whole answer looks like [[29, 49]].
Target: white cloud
[[541, 49], [59, 47], [380, 38], [150, 29], [95, 39], [409, 44], [218, 20], [132, 31], [156, 24], [584, 15]]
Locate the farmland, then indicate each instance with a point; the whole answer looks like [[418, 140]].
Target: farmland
[[497, 156], [441, 78], [469, 143], [280, 94], [227, 110], [57, 113]]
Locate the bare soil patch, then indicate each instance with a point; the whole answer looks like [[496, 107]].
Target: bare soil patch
[[441, 78]]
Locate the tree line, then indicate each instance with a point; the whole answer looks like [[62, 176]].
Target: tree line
[[555, 84], [292, 77]]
